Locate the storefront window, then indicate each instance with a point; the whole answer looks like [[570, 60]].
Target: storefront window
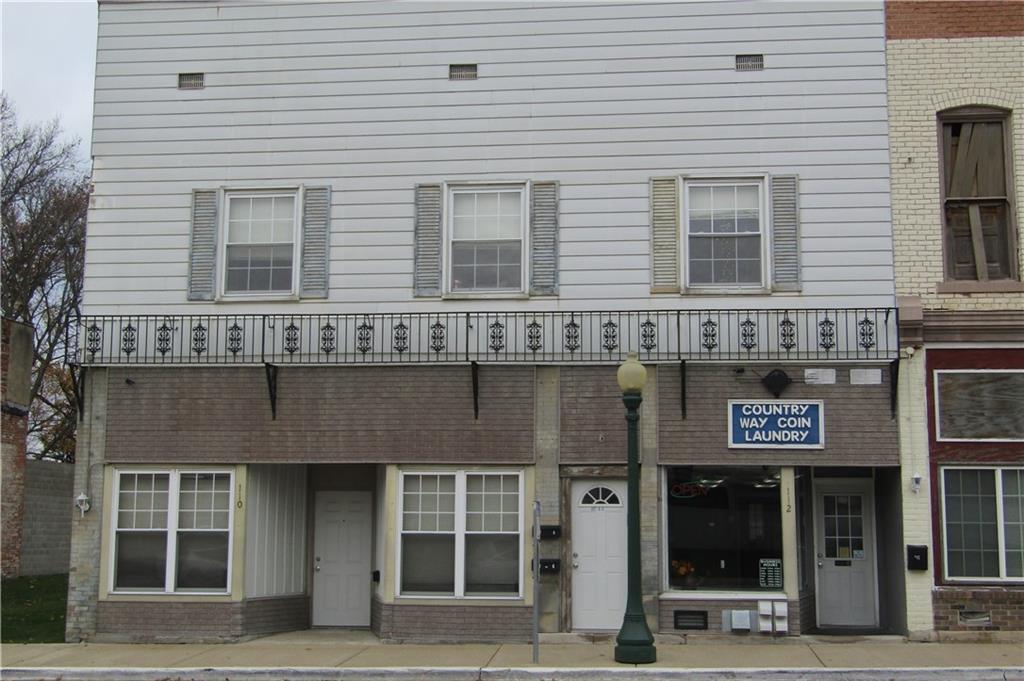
[[724, 528]]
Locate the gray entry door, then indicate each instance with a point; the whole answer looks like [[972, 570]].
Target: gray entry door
[[341, 559]]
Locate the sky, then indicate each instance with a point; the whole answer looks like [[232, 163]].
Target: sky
[[48, 62]]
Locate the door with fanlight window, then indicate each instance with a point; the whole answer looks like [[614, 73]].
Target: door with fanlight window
[[598, 554], [846, 576]]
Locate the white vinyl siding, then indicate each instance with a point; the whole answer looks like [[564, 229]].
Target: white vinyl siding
[[275, 530], [598, 98]]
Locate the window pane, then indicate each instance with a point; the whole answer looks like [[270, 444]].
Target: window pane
[[202, 560], [700, 272], [700, 249], [718, 535], [428, 564], [975, 530], [492, 564], [748, 271], [725, 271], [700, 221], [262, 231], [493, 265], [700, 198], [141, 560], [1013, 521]]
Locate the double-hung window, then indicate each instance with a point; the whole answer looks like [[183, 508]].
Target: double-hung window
[[977, 203], [983, 523], [487, 232], [261, 243], [461, 534], [172, 531], [724, 233]]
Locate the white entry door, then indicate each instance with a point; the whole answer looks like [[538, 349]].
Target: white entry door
[[598, 554], [844, 520], [341, 559]]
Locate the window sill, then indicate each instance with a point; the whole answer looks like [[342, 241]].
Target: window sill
[[998, 286], [723, 596], [733, 291], [497, 295], [220, 597], [258, 298]]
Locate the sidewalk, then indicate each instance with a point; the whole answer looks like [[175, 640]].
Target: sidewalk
[[358, 655]]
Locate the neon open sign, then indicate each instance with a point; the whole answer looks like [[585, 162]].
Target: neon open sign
[[776, 424]]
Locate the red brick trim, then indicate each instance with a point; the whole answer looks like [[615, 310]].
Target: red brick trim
[[922, 19]]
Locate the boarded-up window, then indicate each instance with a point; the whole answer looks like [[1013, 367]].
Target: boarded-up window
[[977, 212], [980, 405]]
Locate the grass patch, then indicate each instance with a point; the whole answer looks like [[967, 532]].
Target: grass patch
[[32, 609]]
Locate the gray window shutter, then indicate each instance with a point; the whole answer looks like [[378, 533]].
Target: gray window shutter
[[427, 250], [665, 235], [316, 236], [544, 238], [785, 233], [202, 259]]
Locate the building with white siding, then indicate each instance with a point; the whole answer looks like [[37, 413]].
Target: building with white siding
[[359, 276]]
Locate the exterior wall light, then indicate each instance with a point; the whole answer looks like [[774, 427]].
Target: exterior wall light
[[82, 503]]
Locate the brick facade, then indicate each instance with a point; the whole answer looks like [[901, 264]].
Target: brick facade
[[328, 415], [668, 607], [195, 622], [15, 364], [1004, 608], [48, 515], [593, 424], [402, 622], [926, 77], [270, 615], [851, 412], [922, 19]]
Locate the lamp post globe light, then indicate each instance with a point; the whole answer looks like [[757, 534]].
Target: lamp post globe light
[[634, 644]]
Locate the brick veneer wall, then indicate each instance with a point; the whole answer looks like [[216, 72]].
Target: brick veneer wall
[[186, 622], [329, 415], [461, 623], [49, 507], [859, 429], [270, 615], [593, 423], [949, 19], [195, 622], [1005, 605]]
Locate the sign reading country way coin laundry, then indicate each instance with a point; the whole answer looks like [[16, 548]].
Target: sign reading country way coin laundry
[[776, 424]]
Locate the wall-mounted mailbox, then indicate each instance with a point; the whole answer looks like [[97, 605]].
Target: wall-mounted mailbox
[[550, 531], [550, 566], [376, 576], [917, 557]]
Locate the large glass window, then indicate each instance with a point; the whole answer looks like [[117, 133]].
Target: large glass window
[[461, 534], [172, 531], [724, 233], [486, 234], [983, 523], [724, 528], [260, 245]]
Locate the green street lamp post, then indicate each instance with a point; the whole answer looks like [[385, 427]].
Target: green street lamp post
[[634, 644]]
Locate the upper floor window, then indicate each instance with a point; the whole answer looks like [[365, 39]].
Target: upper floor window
[[487, 231], [260, 244], [725, 233], [977, 201]]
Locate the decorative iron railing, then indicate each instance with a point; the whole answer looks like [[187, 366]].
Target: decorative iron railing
[[504, 337]]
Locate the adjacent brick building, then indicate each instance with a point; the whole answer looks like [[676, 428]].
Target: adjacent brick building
[[956, 92]]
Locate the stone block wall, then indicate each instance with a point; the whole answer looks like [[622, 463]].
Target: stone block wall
[[49, 507]]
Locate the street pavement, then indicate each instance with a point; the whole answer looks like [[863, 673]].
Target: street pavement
[[349, 656]]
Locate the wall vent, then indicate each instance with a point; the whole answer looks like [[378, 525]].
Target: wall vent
[[191, 81], [462, 72], [975, 618], [750, 62], [690, 619]]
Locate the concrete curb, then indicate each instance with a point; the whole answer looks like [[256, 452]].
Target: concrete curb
[[509, 674]]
